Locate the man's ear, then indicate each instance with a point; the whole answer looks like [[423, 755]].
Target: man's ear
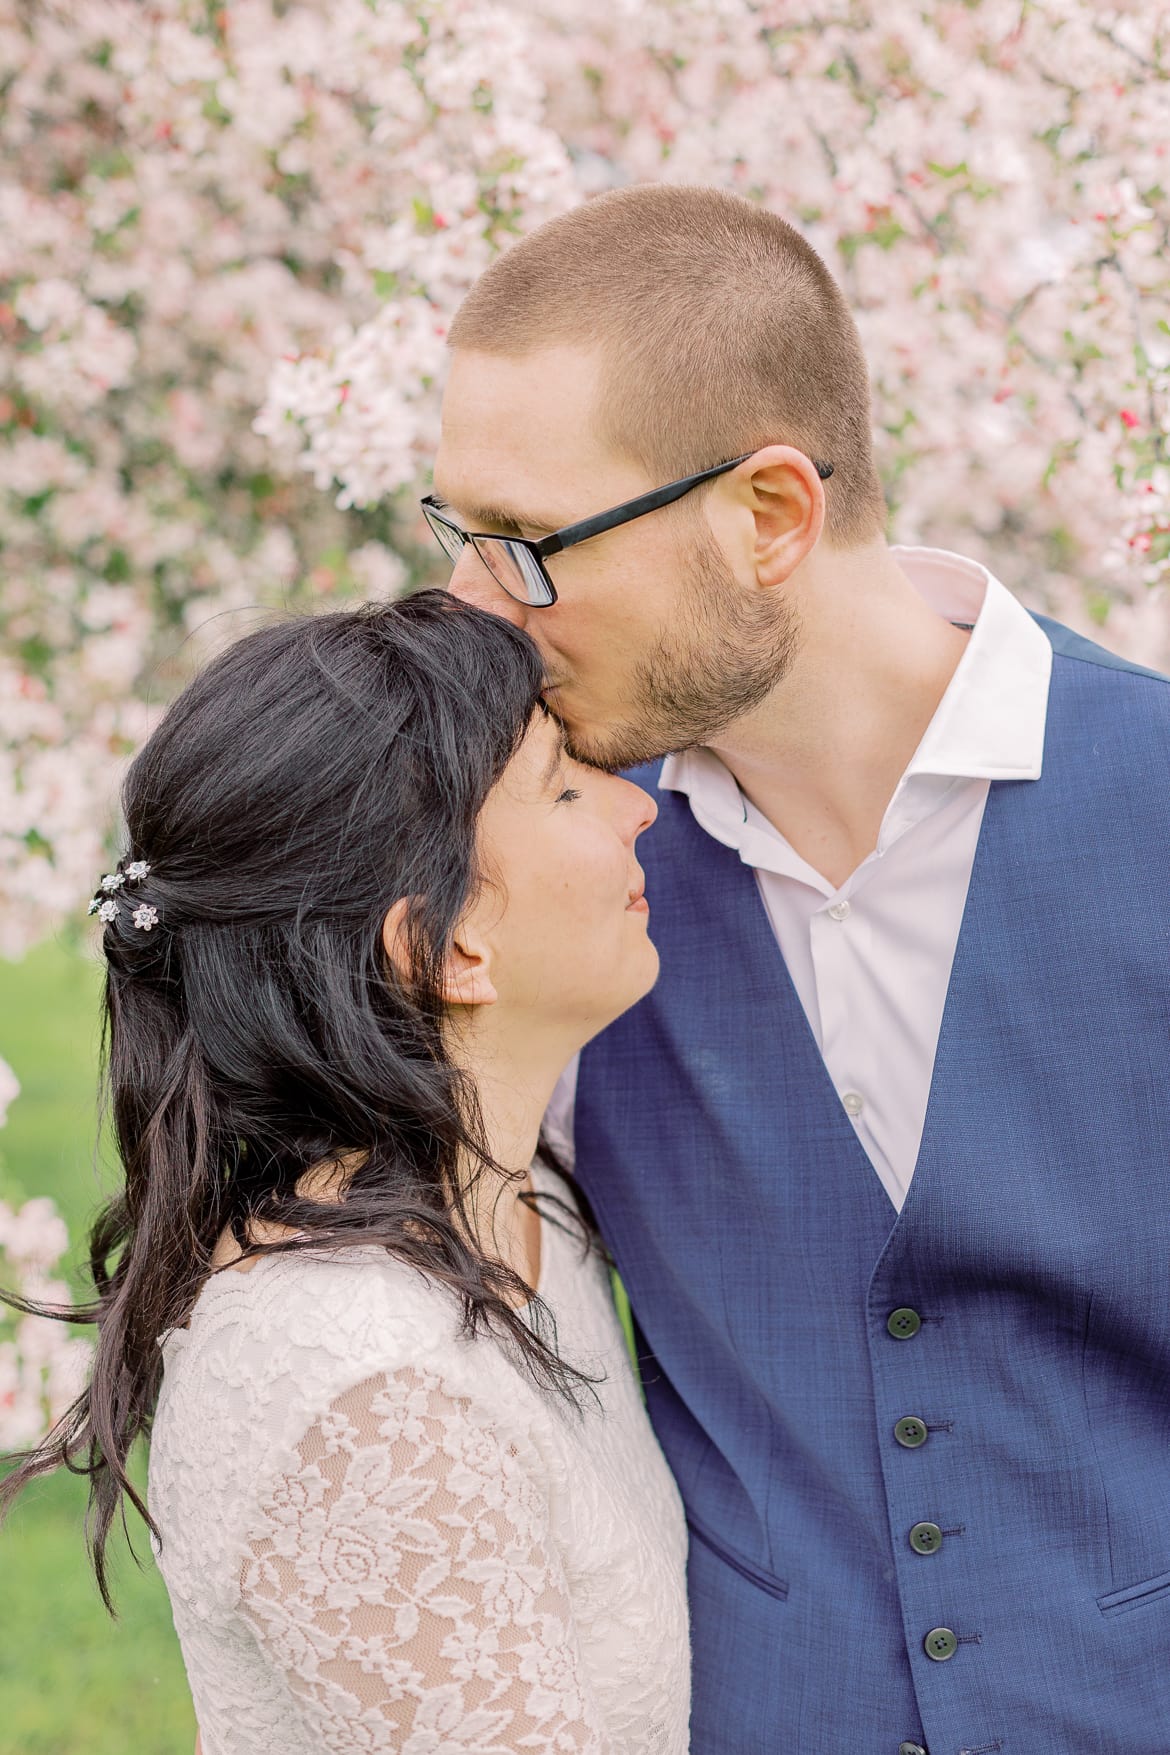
[[467, 972], [788, 504]]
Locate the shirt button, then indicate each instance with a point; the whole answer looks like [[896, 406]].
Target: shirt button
[[853, 1102], [940, 1644], [903, 1324], [926, 1538], [840, 911], [910, 1433], [911, 1749]]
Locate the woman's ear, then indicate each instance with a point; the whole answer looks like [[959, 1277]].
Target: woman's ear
[[467, 971]]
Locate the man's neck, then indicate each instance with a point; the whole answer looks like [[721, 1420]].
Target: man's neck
[[823, 755]]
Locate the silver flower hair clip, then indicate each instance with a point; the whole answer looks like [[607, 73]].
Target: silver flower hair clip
[[145, 917]]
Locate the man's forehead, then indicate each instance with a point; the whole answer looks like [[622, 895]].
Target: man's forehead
[[534, 379], [519, 434], [522, 445]]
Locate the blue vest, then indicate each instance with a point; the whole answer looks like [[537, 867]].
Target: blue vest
[[765, 1262]]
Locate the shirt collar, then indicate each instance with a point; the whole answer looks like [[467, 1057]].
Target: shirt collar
[[989, 724]]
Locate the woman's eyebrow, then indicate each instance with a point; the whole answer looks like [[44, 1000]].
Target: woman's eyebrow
[[558, 756]]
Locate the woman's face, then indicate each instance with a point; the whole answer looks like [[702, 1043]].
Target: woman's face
[[562, 909]]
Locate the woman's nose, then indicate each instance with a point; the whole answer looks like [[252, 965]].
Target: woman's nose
[[474, 583], [641, 810]]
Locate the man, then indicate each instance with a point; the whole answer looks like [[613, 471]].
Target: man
[[883, 1160]]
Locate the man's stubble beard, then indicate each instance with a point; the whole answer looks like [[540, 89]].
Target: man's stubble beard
[[720, 661]]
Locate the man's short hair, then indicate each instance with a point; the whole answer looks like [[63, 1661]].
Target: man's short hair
[[720, 330]]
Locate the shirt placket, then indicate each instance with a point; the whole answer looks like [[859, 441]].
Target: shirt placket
[[838, 933]]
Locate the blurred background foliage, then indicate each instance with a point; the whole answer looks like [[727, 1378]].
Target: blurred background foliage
[[72, 1682]]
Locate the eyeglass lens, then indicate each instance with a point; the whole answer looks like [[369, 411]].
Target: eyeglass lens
[[515, 568], [511, 564], [451, 539]]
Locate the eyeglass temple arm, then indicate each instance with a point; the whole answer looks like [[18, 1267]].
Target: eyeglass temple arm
[[642, 503]]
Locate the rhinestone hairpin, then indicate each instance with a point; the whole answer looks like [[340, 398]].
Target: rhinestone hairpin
[[145, 917]]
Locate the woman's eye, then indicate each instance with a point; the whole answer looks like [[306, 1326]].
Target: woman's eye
[[568, 796]]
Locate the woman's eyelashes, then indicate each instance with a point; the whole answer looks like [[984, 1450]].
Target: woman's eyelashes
[[568, 796]]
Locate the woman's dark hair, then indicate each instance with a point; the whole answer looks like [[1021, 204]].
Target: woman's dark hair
[[316, 772]]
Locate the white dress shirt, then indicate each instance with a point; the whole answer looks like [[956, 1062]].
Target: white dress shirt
[[871, 960]]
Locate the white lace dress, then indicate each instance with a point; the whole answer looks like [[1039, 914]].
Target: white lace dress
[[379, 1535]]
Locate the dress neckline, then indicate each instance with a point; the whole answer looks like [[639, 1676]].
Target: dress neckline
[[215, 1284]]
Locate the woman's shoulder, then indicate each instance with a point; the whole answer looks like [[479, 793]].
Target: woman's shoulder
[[267, 1351], [278, 1358], [270, 1351], [317, 1317]]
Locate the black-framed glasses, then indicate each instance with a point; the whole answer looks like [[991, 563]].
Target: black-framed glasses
[[516, 563]]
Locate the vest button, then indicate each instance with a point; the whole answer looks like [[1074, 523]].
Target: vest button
[[910, 1433], [926, 1538], [940, 1644], [903, 1323], [911, 1749]]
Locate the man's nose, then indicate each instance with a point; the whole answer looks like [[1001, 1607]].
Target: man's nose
[[472, 582]]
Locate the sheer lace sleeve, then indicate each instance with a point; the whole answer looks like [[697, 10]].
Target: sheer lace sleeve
[[402, 1578]]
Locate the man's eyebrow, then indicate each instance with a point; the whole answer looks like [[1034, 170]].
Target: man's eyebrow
[[504, 519]]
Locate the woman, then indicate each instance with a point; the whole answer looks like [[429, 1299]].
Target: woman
[[403, 1489]]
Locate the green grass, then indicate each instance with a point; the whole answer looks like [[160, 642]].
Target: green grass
[[72, 1682]]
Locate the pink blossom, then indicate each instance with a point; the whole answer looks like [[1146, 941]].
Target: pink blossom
[[231, 244]]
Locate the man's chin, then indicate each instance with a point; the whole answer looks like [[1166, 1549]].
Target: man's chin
[[600, 743], [615, 748]]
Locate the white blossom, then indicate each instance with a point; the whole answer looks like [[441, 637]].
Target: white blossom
[[43, 1366], [231, 241], [9, 1089]]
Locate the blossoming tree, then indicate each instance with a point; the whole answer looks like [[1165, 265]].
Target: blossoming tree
[[231, 236], [232, 233]]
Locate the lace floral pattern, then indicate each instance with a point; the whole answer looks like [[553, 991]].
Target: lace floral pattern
[[406, 1579], [378, 1535]]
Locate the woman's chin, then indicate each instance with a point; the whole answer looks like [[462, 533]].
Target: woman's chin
[[644, 974]]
